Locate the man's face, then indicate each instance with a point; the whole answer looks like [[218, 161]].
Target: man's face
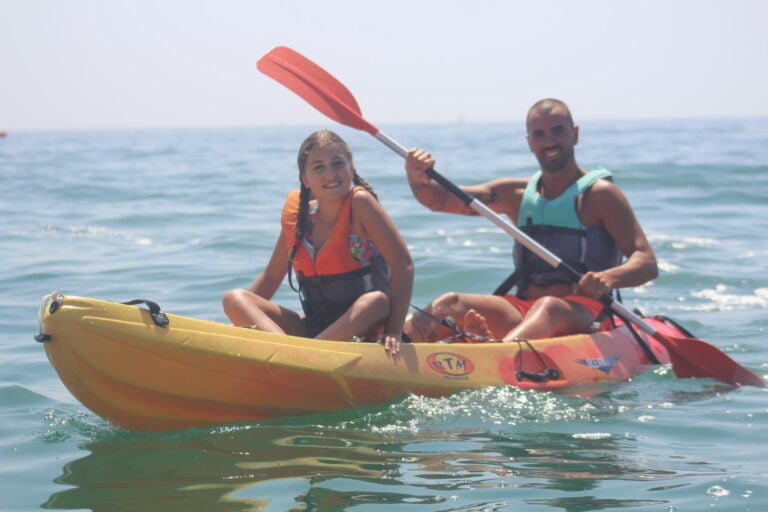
[[552, 137]]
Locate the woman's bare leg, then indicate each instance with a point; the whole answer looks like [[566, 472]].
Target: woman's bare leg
[[245, 308], [363, 315]]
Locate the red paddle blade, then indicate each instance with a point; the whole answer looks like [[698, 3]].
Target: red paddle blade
[[692, 357], [319, 88]]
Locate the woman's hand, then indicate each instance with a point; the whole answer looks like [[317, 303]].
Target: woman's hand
[[391, 342]]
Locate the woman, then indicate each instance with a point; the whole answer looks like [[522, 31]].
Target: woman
[[353, 268]]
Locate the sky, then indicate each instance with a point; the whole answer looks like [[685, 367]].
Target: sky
[[87, 64]]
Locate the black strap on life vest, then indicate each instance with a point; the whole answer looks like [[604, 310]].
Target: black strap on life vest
[[506, 285]]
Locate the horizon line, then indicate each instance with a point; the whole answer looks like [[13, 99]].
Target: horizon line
[[8, 132]]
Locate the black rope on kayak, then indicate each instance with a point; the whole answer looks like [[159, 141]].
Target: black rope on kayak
[[640, 341], [674, 324], [160, 318], [547, 374], [447, 322], [607, 301], [457, 333]]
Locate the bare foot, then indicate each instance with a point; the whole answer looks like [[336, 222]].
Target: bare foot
[[476, 326]]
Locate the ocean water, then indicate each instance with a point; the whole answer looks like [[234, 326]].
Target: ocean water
[[180, 216]]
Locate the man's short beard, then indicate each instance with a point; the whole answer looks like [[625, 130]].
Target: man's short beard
[[565, 158]]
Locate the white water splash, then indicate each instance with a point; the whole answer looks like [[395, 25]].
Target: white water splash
[[495, 406], [141, 241], [596, 435], [670, 268], [684, 242], [718, 492], [726, 301]]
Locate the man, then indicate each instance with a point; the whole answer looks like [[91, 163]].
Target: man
[[580, 216]]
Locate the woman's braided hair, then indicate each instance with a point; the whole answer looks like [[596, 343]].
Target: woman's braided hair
[[318, 138]]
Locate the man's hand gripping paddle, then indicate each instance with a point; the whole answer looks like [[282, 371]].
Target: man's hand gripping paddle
[[690, 357]]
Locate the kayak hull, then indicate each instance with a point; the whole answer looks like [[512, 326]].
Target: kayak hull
[[142, 376]]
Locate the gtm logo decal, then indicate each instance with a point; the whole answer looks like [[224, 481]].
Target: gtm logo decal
[[604, 364], [451, 365]]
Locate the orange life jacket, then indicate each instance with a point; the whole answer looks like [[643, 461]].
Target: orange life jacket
[[334, 256], [333, 279]]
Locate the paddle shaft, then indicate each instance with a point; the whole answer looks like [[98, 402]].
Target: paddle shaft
[[529, 243]]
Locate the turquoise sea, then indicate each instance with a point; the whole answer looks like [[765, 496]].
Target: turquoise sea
[[180, 216]]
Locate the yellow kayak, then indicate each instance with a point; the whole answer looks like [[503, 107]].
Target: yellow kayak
[[145, 370]]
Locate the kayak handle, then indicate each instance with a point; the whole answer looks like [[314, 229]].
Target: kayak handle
[[548, 374]]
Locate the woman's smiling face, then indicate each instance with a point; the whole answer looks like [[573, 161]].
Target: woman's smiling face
[[328, 172]]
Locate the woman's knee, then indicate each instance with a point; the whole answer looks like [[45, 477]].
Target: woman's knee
[[237, 297], [229, 298], [570, 317], [377, 302]]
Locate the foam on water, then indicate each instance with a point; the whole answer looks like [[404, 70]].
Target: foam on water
[[719, 299]]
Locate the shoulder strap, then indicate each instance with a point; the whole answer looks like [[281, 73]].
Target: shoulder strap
[[506, 285], [288, 217], [592, 177]]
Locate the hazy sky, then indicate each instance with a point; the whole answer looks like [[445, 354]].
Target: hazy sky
[[185, 63]]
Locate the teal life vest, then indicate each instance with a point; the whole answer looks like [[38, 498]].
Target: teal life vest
[[555, 224]]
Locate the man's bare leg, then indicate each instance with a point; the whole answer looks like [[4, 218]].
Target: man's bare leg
[[550, 317], [475, 324], [499, 315]]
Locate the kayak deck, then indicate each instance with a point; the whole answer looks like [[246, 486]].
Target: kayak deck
[[143, 376]]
